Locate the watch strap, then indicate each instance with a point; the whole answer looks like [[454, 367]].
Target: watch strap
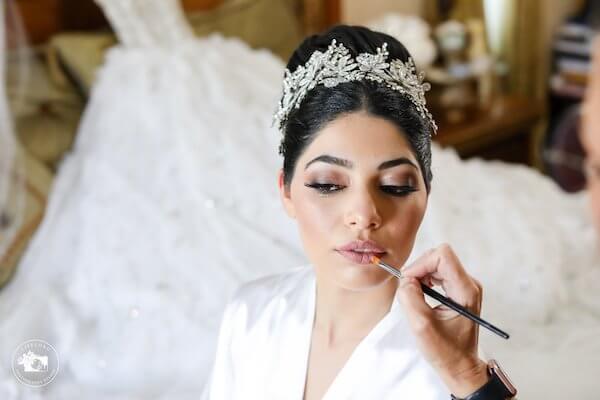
[[494, 389]]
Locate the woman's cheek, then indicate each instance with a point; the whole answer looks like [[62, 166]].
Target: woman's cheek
[[315, 218], [404, 229]]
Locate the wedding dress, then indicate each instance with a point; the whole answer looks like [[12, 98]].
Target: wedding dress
[[168, 201]]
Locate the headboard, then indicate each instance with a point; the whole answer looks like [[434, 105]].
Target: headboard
[[43, 18]]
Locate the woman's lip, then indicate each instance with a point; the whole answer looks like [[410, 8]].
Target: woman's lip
[[365, 245], [359, 258]]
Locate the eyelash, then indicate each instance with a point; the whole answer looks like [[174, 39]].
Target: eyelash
[[328, 188]]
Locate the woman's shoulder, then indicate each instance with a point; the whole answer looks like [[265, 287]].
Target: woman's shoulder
[[272, 291], [274, 285]]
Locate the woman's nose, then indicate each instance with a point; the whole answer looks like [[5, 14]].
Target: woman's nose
[[363, 213]]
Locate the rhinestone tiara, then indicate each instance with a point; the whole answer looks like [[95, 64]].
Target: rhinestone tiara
[[336, 66]]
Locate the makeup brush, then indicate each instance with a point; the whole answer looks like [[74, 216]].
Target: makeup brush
[[443, 299]]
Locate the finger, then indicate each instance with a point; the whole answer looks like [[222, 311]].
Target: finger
[[412, 298], [444, 267], [418, 261], [443, 312], [441, 263], [436, 282], [428, 280]]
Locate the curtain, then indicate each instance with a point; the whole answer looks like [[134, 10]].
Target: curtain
[[519, 36], [518, 33]]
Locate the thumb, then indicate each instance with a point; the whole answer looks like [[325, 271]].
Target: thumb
[[417, 310]]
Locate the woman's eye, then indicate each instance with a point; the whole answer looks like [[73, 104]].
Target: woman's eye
[[324, 187], [394, 190], [403, 190]]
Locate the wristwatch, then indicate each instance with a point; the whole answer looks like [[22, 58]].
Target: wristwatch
[[499, 387]]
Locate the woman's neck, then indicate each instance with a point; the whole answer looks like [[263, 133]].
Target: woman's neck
[[343, 315]]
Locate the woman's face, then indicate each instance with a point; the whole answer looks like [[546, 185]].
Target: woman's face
[[357, 181]]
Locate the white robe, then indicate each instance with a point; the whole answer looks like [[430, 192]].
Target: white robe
[[264, 343]]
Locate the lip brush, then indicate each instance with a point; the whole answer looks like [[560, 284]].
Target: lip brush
[[443, 299]]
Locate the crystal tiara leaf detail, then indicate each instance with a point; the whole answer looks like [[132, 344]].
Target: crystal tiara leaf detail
[[336, 66]]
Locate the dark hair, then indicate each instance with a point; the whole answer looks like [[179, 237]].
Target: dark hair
[[322, 104]]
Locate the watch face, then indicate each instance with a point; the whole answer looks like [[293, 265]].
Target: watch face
[[495, 367]]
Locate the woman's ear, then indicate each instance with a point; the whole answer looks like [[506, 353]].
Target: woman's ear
[[285, 195]]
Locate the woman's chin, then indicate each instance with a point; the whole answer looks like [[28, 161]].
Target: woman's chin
[[360, 276]]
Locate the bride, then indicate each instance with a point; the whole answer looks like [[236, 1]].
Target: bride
[[168, 202], [356, 177]]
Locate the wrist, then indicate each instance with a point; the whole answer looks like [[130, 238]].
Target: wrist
[[498, 386], [466, 378]]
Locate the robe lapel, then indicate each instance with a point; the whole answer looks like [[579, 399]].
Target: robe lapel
[[292, 347], [352, 374]]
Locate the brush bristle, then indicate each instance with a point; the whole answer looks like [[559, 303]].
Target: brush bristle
[[375, 259]]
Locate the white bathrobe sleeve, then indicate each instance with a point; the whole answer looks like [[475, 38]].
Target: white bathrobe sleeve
[[222, 380]]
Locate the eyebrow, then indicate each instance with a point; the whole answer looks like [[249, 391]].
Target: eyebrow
[[348, 164]]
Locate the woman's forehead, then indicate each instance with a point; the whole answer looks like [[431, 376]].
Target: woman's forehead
[[360, 137]]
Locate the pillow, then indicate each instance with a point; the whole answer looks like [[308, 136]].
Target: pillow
[[73, 58], [46, 115]]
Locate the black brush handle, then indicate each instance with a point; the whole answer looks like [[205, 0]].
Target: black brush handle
[[461, 310]]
